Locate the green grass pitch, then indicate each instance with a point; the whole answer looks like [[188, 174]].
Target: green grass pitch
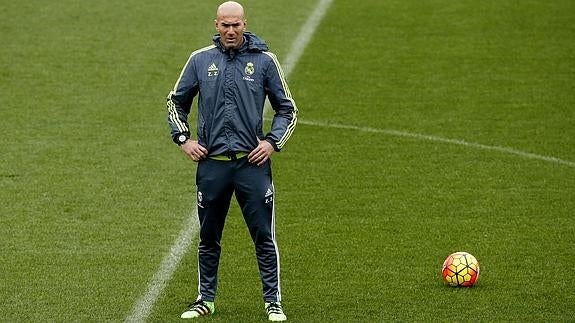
[[372, 194]]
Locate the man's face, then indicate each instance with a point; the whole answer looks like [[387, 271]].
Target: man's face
[[231, 29]]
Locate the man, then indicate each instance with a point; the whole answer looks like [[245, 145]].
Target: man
[[232, 78]]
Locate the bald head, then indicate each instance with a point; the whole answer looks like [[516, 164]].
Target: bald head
[[231, 24], [230, 8]]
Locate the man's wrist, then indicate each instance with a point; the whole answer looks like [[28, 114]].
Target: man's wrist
[[275, 147], [181, 138]]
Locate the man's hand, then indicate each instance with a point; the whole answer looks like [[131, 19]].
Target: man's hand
[[194, 150], [261, 153]]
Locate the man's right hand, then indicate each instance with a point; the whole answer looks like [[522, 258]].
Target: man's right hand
[[194, 150]]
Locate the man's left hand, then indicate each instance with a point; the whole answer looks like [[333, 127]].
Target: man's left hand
[[261, 153]]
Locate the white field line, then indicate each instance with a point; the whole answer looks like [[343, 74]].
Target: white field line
[[301, 41], [305, 35], [142, 309], [442, 140]]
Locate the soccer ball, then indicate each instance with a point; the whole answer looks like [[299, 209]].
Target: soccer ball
[[460, 269]]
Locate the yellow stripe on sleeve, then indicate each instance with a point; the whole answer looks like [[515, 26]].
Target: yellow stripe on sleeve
[[291, 126]]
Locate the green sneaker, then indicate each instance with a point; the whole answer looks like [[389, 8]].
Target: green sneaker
[[199, 308], [275, 311]]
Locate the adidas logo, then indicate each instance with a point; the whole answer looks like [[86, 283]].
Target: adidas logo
[[269, 197], [213, 70]]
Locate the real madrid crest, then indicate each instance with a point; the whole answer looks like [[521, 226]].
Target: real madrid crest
[[249, 68], [200, 199]]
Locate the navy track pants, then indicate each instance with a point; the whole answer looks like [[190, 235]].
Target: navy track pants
[[253, 187]]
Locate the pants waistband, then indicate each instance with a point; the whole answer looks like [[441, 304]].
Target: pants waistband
[[229, 156]]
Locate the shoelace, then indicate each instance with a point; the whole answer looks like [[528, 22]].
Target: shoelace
[[274, 308]]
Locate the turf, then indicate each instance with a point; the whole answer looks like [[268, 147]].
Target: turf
[[93, 193]]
